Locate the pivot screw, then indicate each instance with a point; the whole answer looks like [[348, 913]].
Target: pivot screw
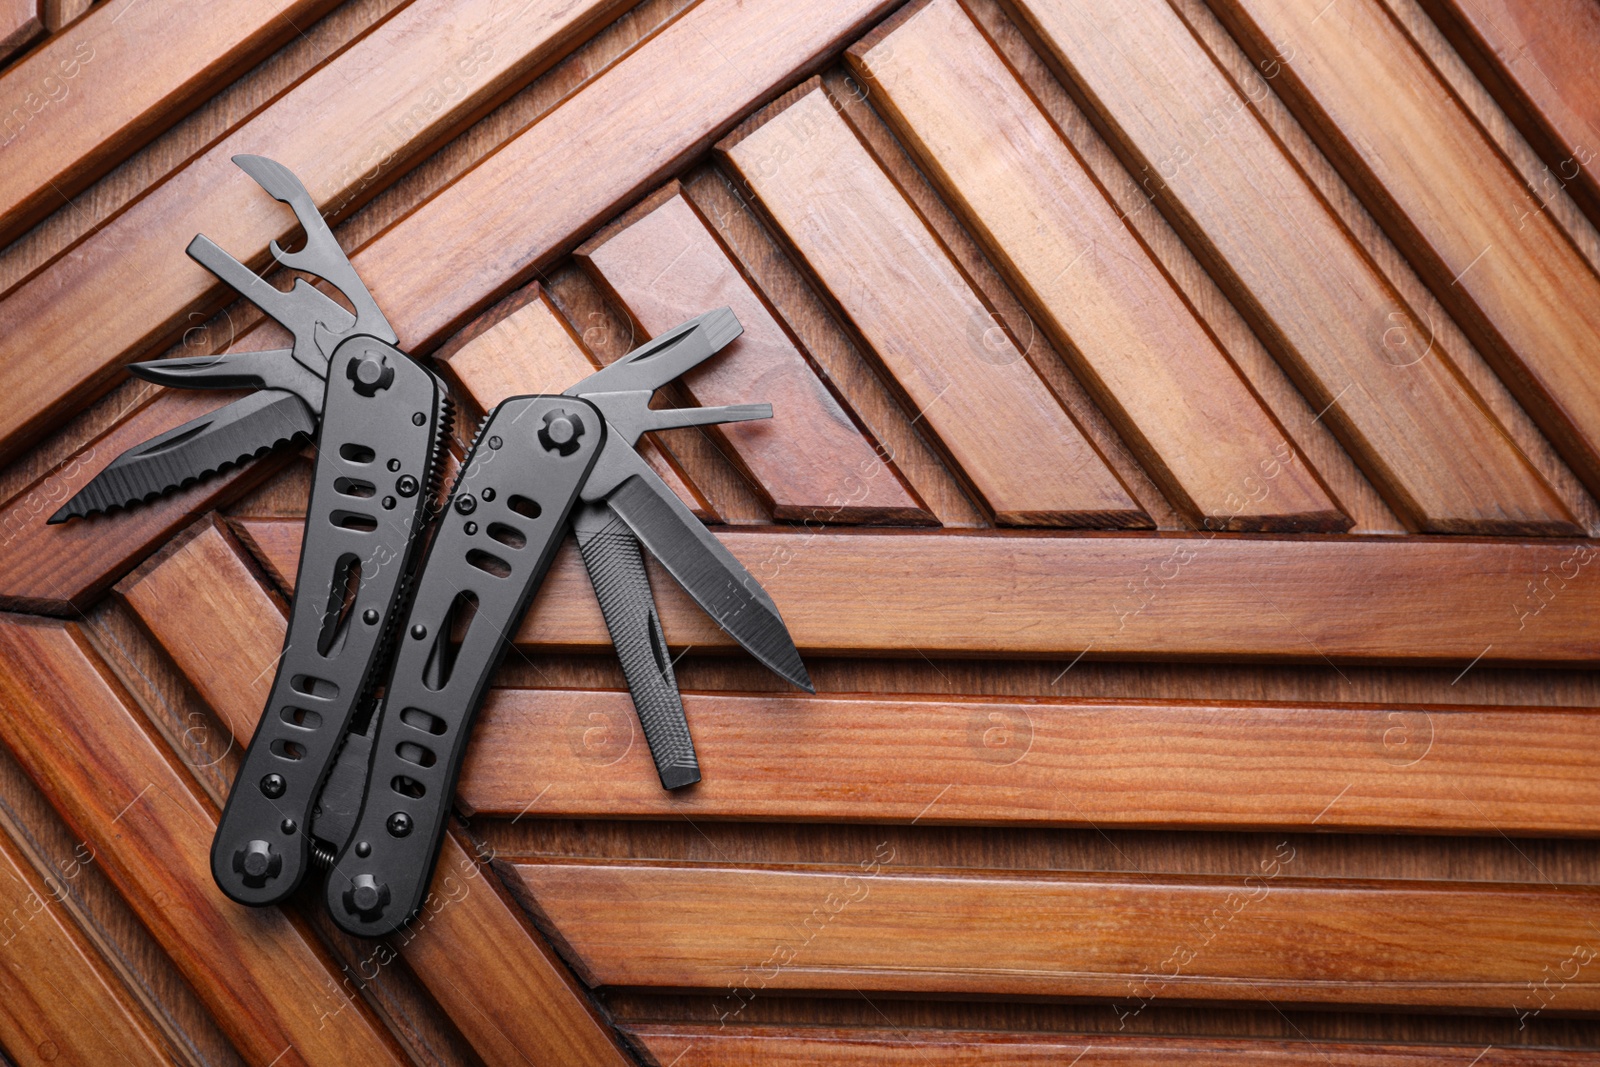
[[257, 862], [371, 374], [366, 896], [466, 503], [561, 432], [406, 485], [273, 785], [399, 824]]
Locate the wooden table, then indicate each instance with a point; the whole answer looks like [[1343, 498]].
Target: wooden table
[[1181, 489]]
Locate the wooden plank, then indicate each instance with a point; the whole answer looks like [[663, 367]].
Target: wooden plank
[[58, 14], [262, 974], [19, 24], [971, 384], [1268, 936], [687, 1045], [524, 345], [1174, 394], [1218, 597], [1537, 59], [128, 287], [810, 461], [61, 569], [1361, 356], [1446, 196], [566, 753], [92, 96], [206, 608], [58, 998]]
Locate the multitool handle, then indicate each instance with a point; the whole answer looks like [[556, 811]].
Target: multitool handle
[[383, 418], [504, 521]]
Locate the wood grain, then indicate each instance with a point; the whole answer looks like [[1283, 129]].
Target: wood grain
[[265, 978], [524, 345], [969, 383], [687, 1045], [1222, 597], [60, 569], [128, 287], [58, 14], [58, 998], [810, 461], [471, 944], [1269, 936], [577, 754], [1361, 356], [92, 96], [20, 23], [1446, 196], [1537, 60], [1174, 394]]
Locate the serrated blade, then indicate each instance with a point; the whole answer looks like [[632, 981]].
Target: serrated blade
[[707, 571], [232, 434]]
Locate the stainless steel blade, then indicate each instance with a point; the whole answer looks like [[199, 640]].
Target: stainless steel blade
[[275, 369], [232, 434], [694, 557]]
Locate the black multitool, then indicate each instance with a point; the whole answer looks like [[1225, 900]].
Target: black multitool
[[391, 645]]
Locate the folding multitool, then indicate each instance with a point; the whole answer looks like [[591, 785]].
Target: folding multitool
[[393, 636]]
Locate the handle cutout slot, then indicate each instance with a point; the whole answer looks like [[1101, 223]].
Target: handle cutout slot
[[354, 453], [342, 592], [509, 536], [290, 750], [321, 688], [418, 719], [358, 521], [452, 631], [524, 506], [354, 487], [304, 718], [412, 752], [408, 787], [489, 563]]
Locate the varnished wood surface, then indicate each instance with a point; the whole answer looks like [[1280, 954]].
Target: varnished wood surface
[[263, 974], [20, 22], [1536, 57], [1003, 709], [151, 63], [871, 927], [58, 998], [1339, 599], [664, 264], [578, 754], [470, 944], [706, 1046], [1173, 392], [128, 286], [1512, 278], [1031, 465], [1367, 361]]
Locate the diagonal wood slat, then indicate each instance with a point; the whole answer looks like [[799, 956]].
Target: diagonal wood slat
[[969, 384], [90, 97], [1344, 599], [1173, 392], [1537, 59], [59, 1001], [471, 946], [1162, 763], [128, 286], [268, 982], [20, 23], [1361, 356], [810, 461], [1448, 198], [873, 928], [524, 345]]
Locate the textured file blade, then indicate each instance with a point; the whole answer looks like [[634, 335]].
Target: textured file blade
[[616, 570], [707, 571], [232, 434]]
